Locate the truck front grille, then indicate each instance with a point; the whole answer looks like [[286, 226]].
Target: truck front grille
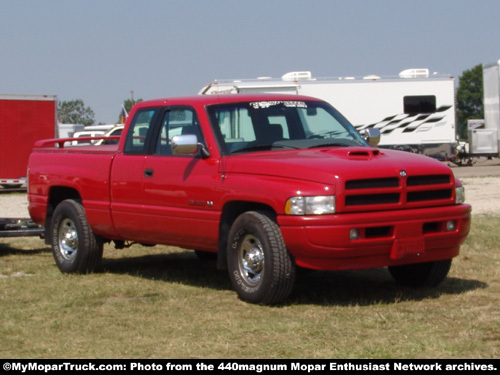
[[398, 192], [428, 180]]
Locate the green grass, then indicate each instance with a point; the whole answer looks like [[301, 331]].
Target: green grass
[[163, 302]]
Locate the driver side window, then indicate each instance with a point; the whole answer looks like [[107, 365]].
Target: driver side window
[[177, 121]]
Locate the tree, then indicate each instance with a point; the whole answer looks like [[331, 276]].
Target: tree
[[469, 98], [127, 105], [75, 112]]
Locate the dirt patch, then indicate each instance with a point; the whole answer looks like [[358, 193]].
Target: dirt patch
[[483, 194], [14, 206]]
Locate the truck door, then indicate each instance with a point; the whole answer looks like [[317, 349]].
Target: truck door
[[127, 174], [169, 197], [179, 190]]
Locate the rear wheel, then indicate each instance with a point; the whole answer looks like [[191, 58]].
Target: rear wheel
[[421, 274], [261, 269], [76, 249]]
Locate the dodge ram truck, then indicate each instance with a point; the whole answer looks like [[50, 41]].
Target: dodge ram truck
[[266, 183]]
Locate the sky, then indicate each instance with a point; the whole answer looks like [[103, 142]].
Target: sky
[[107, 51]]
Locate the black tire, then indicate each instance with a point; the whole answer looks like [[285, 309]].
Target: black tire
[[261, 269], [76, 249], [421, 274]]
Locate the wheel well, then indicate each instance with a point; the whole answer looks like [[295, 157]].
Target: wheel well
[[56, 195], [230, 212]]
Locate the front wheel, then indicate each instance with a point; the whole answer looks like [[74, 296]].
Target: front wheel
[[421, 274], [76, 249], [261, 269]]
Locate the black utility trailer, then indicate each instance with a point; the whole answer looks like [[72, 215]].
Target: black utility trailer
[[15, 227]]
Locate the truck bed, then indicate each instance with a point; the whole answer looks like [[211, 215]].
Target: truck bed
[[85, 169]]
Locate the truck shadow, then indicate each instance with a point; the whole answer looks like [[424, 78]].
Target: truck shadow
[[7, 249], [369, 287], [183, 267], [364, 287]]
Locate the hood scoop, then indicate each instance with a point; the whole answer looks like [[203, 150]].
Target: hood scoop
[[358, 154], [354, 153]]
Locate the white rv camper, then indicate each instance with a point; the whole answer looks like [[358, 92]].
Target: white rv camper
[[414, 112]]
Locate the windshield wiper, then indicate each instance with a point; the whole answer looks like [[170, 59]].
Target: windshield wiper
[[331, 144], [260, 148]]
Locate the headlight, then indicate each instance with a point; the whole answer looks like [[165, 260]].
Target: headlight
[[317, 205], [459, 195]]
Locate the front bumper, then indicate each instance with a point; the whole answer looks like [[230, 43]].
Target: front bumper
[[386, 238]]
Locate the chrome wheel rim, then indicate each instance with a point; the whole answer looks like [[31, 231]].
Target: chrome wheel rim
[[68, 239], [251, 259]]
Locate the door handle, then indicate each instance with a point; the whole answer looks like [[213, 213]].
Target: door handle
[[148, 172]]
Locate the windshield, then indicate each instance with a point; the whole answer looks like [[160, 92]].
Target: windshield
[[274, 125]]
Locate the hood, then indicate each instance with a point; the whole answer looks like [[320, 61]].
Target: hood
[[328, 165]]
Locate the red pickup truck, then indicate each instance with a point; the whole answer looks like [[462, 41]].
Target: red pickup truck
[[268, 182]]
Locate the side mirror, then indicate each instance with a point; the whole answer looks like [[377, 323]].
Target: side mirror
[[371, 136], [187, 145], [184, 144]]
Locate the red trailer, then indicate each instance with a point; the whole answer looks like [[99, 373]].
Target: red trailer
[[24, 119]]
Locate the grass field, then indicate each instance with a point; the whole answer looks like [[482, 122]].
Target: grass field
[[160, 302]]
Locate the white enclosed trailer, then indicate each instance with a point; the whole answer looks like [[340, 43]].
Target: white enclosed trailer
[[414, 111], [485, 140]]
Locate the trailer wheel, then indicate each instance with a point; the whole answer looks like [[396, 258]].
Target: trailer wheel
[[261, 269], [76, 249], [421, 274]]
